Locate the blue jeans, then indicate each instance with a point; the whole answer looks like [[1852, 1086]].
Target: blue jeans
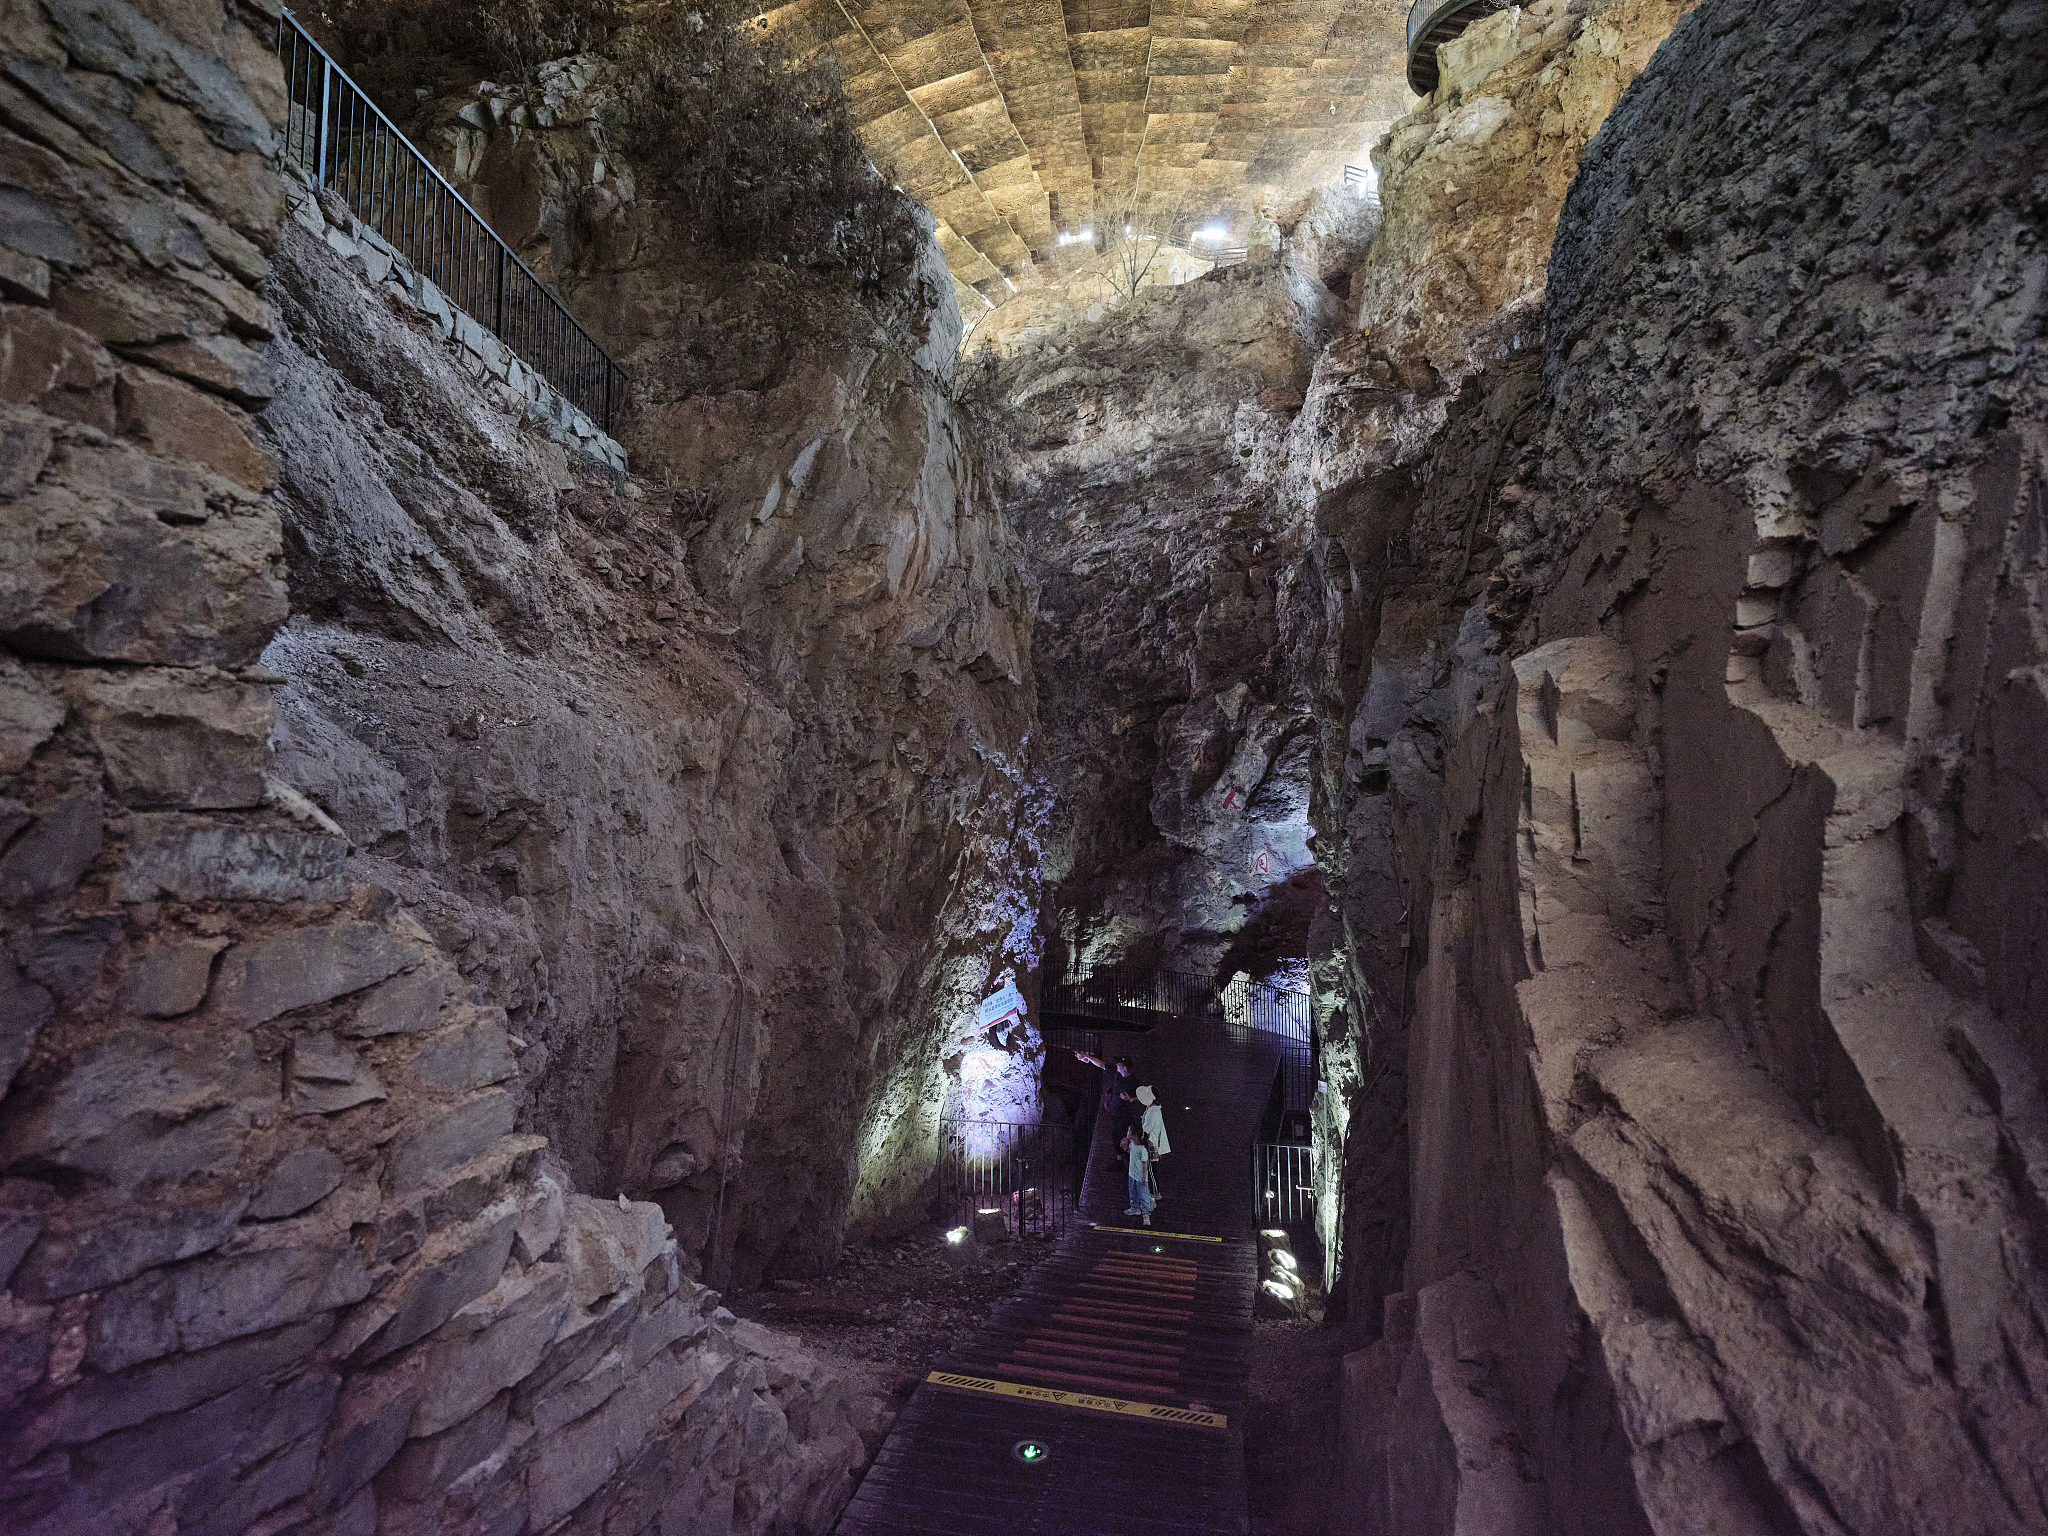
[[1141, 1197]]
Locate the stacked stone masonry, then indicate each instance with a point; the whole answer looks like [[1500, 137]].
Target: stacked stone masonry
[[327, 218]]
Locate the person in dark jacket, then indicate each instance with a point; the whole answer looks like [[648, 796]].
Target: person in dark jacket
[[1117, 1096]]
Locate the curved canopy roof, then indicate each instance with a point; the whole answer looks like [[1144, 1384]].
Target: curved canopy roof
[[1017, 121]]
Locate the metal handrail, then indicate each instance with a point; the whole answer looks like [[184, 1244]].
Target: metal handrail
[[339, 137], [1284, 1183], [1131, 996], [1431, 23]]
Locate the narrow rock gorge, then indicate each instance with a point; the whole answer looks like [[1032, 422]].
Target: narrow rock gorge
[[486, 881]]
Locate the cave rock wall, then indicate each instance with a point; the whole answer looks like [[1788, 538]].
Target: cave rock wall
[[399, 839], [1722, 1049], [1407, 423], [871, 864], [1145, 452]]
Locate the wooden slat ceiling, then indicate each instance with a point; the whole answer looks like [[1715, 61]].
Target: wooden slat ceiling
[[1016, 120]]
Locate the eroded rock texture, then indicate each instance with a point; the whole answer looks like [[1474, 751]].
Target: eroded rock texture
[[407, 824], [1407, 425], [1698, 715], [854, 823], [1146, 457]]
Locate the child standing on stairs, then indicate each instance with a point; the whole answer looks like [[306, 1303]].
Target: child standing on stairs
[[1141, 1194]]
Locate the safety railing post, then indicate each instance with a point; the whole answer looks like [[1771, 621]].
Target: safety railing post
[[326, 86], [393, 188]]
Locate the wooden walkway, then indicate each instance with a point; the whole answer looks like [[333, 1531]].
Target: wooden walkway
[[1124, 1361]]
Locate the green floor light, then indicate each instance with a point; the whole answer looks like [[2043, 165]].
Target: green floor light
[[1031, 1452]]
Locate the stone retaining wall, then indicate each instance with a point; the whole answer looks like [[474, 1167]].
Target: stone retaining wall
[[326, 217]]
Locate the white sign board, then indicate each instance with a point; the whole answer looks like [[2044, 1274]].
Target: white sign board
[[999, 1005]]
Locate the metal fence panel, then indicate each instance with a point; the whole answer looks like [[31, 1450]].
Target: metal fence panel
[[337, 136], [1025, 1173], [1130, 996], [1284, 1184]]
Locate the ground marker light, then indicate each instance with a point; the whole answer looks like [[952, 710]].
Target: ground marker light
[[1031, 1452]]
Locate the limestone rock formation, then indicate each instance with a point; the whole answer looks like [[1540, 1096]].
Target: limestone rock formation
[[410, 822], [1145, 449], [1721, 1087], [460, 899], [826, 509]]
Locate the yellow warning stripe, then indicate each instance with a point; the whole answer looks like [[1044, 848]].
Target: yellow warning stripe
[[1193, 1418], [1186, 1237]]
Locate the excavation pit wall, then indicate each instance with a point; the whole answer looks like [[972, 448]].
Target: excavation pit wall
[[301, 1076]]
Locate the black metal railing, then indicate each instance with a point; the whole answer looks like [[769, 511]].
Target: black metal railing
[[1023, 1174], [1285, 1012], [1363, 182], [1284, 1184], [1431, 24], [338, 137], [1262, 1005], [1128, 997]]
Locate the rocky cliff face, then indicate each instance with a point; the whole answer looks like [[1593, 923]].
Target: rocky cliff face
[[869, 872], [1406, 425], [1688, 703], [407, 824], [1147, 450]]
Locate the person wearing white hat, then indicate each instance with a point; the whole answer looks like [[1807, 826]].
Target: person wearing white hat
[[1154, 1127]]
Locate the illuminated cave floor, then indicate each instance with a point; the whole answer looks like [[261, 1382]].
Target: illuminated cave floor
[[1109, 1397]]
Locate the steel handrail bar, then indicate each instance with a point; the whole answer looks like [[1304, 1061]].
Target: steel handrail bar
[[505, 252]]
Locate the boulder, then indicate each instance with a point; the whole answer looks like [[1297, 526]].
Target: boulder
[[490, 1344], [407, 1004], [91, 575], [300, 1179], [138, 1104], [328, 1075], [194, 859], [30, 711], [170, 977], [58, 847]]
